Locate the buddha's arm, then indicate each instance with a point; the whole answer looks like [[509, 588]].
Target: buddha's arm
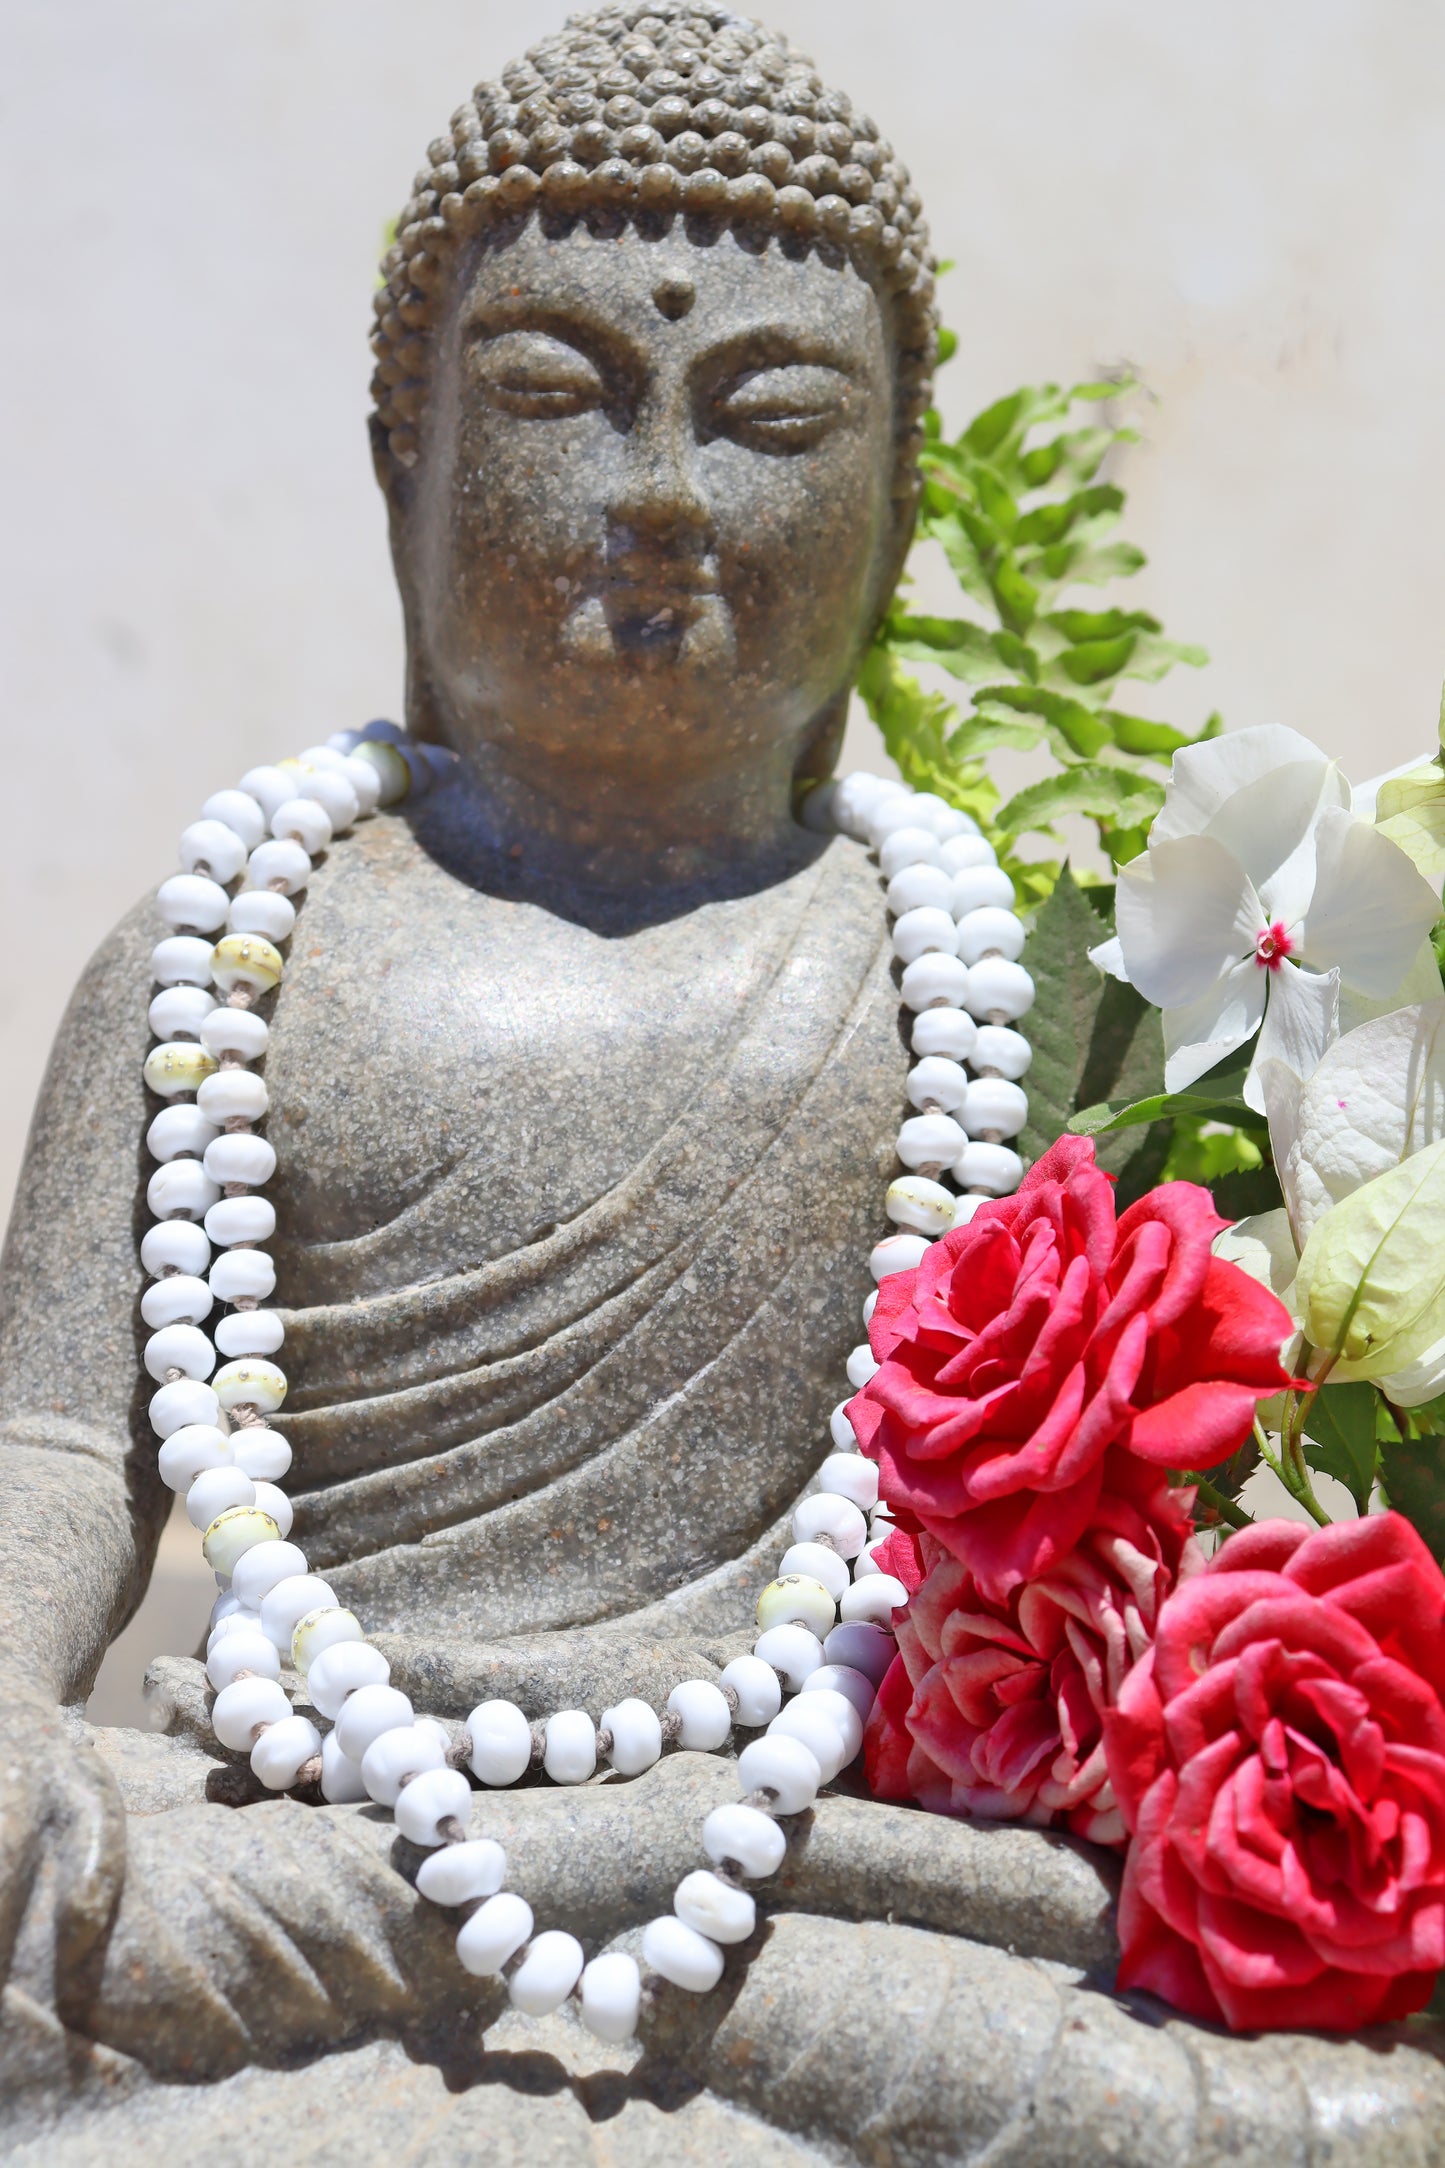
[[80, 1508]]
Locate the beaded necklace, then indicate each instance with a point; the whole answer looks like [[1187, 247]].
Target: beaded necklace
[[825, 1639]]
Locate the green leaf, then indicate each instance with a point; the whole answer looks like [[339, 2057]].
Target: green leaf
[[1247, 1192], [947, 344], [1412, 1471], [1083, 730], [1216, 1097], [1371, 1285], [1017, 597], [956, 644], [1340, 1428], [1411, 812], [1111, 794]]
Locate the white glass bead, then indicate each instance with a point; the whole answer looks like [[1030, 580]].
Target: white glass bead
[[1006, 1051], [238, 811], [919, 888], [814, 1562], [235, 1031], [326, 787], [181, 1402], [214, 1492], [245, 959], [792, 1651], [433, 1797], [841, 1709], [994, 1103], [571, 1752], [998, 989], [265, 1566], [908, 847], [249, 1274], [888, 813], [930, 1140], [340, 1670], [233, 1095], [862, 1365], [189, 903], [179, 1011], [214, 847], [181, 1189], [714, 1908], [923, 1206], [178, 1066], [897, 1253], [260, 911], [960, 852], [924, 932], [177, 1244], [182, 959], [284, 1605], [938, 1080], [250, 1332], [276, 1503], [876, 1597], [394, 1757], [814, 1727], [993, 1168], [796, 1600], [870, 1304], [934, 979], [783, 1768], [283, 862], [865, 1563], [251, 1381], [241, 1219], [611, 1996], [849, 1475], [305, 822], [189, 1451], [227, 1612], [841, 1431], [989, 932], [240, 1158], [180, 1299], [862, 1647], [837, 1518], [262, 1452], [943, 1033], [248, 1650], [854, 796], [680, 1954], [747, 1837], [458, 1873], [501, 1742], [278, 1755], [636, 1736], [756, 1684], [936, 813], [368, 1713], [327, 1627], [978, 888], [179, 1347], [842, 1679], [239, 1708], [494, 1934], [179, 1130], [233, 1535], [550, 1968], [341, 1783], [269, 786], [707, 1721], [365, 782]]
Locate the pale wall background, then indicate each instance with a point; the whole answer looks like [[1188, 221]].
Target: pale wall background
[[1245, 201]]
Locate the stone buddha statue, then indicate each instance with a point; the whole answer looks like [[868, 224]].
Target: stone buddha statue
[[585, 1079]]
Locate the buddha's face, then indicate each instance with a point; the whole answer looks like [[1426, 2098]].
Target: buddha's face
[[652, 518]]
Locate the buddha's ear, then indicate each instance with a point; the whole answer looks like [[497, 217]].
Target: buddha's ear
[[399, 487]]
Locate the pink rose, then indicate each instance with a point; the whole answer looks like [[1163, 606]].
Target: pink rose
[[996, 1708], [1030, 1342], [1279, 1759]]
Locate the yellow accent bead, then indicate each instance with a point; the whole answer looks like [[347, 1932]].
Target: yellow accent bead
[[244, 959], [391, 768], [178, 1066], [233, 1533], [797, 1600], [251, 1381], [320, 1630]]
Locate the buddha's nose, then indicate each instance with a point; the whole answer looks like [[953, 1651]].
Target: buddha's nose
[[661, 494]]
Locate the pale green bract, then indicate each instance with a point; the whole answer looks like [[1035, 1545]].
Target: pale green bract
[[1371, 1284]]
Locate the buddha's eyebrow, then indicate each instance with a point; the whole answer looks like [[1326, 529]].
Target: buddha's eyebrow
[[773, 346], [575, 323]]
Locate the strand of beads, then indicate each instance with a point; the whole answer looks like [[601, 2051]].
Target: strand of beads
[[219, 1448]]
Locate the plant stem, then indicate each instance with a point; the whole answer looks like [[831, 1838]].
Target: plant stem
[[1220, 1502]]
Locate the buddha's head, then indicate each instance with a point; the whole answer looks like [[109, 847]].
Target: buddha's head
[[653, 352]]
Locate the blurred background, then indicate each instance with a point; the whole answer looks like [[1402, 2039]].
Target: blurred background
[[1243, 203]]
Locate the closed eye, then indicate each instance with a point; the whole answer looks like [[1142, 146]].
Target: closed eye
[[788, 408], [536, 376]]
